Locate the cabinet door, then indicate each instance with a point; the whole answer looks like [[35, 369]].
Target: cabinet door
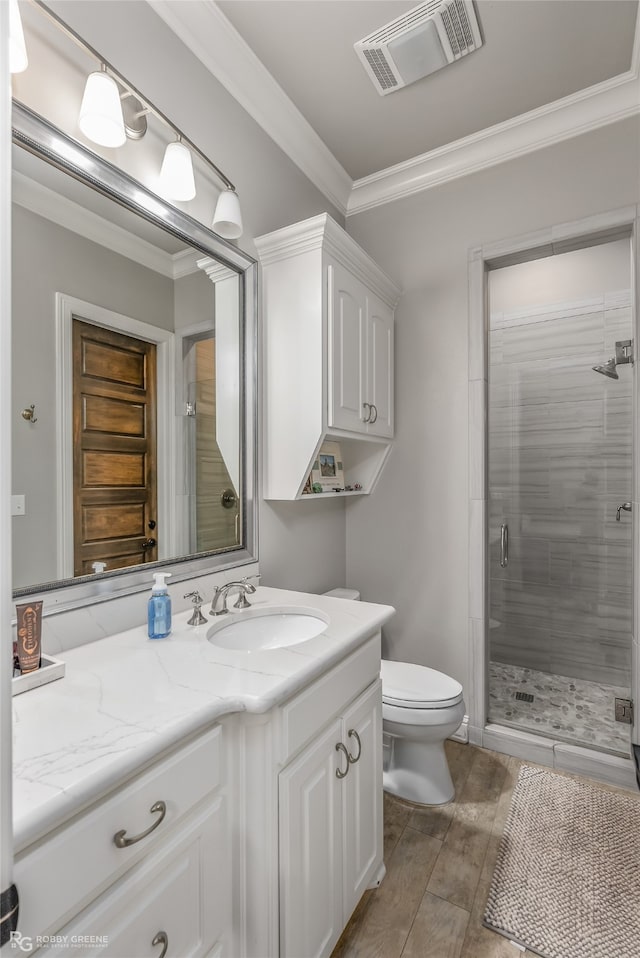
[[362, 809], [347, 299], [379, 387], [310, 797]]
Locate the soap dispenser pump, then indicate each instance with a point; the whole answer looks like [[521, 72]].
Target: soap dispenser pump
[[159, 608]]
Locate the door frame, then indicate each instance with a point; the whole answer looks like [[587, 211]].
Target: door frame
[[66, 307], [561, 238]]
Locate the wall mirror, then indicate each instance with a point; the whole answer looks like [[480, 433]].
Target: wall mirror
[[133, 372]]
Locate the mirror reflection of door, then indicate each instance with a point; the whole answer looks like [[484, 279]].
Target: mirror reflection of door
[[114, 450], [214, 499]]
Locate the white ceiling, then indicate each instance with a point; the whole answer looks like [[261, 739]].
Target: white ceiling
[[548, 70], [534, 52]]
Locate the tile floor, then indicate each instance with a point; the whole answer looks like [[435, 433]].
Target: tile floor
[[440, 862], [569, 710]]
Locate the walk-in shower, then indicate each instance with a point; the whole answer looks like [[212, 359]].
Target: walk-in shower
[[560, 454]]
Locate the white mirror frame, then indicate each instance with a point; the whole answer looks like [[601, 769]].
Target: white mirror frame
[[41, 138]]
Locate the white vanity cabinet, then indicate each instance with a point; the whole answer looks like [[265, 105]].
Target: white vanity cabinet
[[162, 888], [328, 355]]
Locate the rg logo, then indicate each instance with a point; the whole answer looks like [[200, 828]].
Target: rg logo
[[23, 942]]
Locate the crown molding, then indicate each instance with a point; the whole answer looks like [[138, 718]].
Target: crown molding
[[204, 29], [70, 215], [589, 109], [210, 36]]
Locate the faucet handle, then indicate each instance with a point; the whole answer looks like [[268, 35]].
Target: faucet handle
[[197, 617], [247, 589]]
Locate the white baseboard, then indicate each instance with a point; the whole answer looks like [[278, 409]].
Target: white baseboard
[[462, 732]]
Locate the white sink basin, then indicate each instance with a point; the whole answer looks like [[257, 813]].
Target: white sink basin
[[259, 629]]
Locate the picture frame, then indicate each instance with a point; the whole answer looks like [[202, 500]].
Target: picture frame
[[327, 470], [306, 489]]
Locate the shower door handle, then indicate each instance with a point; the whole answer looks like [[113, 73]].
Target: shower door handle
[[504, 545]]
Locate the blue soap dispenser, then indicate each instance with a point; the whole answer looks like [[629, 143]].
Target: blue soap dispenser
[[159, 608]]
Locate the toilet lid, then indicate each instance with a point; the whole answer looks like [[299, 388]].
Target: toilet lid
[[415, 686]]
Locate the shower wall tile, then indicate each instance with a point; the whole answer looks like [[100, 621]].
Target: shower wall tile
[[560, 462], [530, 315], [592, 565], [577, 335]]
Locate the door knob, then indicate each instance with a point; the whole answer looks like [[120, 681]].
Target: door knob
[[152, 524], [148, 543], [624, 505]]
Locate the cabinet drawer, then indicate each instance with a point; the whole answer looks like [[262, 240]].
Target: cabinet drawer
[[182, 892], [304, 715], [68, 869]]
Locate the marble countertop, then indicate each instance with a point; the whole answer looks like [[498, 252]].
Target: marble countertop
[[125, 699]]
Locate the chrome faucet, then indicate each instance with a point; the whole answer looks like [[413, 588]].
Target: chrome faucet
[[221, 593]]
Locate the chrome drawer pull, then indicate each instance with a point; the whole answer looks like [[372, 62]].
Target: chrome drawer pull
[[162, 938], [367, 406], [353, 734], [375, 410], [339, 773], [122, 842]]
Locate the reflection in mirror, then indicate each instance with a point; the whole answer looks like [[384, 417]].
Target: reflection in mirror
[[129, 342]]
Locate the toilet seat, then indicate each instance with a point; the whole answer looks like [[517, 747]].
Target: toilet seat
[[405, 685]]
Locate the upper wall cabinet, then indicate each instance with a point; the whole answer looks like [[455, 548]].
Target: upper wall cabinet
[[328, 356]]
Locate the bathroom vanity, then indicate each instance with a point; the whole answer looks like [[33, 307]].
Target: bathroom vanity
[[174, 797]]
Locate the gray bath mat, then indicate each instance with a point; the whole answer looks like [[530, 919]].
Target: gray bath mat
[[567, 879]]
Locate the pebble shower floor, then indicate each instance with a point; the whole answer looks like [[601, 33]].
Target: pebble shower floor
[[570, 710]]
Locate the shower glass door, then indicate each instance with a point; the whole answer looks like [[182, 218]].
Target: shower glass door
[[560, 485]]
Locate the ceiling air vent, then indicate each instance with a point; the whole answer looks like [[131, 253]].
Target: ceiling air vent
[[419, 42]]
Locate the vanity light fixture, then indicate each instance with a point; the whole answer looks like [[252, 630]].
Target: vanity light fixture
[[18, 60], [176, 174], [113, 111], [227, 219], [101, 118]]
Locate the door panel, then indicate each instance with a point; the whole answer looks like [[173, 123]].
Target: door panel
[[114, 422], [380, 366], [347, 299], [362, 826], [310, 836]]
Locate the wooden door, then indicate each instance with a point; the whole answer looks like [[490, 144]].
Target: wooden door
[[114, 449]]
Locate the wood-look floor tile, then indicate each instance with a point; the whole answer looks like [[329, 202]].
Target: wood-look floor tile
[[396, 818], [391, 909], [457, 871], [438, 930]]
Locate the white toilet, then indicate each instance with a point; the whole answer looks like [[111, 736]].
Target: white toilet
[[420, 709]]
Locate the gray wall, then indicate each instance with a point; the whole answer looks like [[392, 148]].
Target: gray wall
[[560, 462], [407, 543]]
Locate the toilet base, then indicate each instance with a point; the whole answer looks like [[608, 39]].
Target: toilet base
[[419, 773]]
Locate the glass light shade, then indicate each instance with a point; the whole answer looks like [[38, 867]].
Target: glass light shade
[[101, 111], [227, 219], [17, 48], [176, 174]]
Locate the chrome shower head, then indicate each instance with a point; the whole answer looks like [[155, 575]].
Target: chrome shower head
[[607, 369]]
